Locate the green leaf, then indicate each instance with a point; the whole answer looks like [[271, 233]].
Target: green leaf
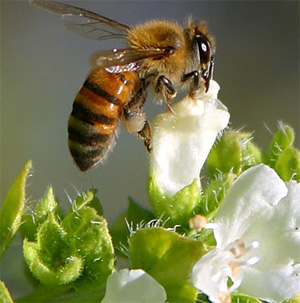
[[44, 293], [176, 210], [88, 234], [13, 208], [296, 299], [135, 216], [4, 294], [288, 164], [238, 297], [168, 258], [282, 139]]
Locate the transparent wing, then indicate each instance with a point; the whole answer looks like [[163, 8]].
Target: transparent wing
[[83, 22], [121, 60]]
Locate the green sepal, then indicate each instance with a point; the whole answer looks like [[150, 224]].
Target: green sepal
[[87, 233], [296, 299], [234, 152], [176, 210], [134, 217], [202, 298], [4, 294], [168, 258], [51, 259], [13, 208], [239, 297], [45, 206], [87, 198], [282, 139], [288, 164], [214, 194]]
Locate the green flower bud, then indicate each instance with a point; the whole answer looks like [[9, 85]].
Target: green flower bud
[[234, 152], [51, 259], [288, 164], [282, 139]]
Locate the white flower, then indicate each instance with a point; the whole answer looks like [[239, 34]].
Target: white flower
[[182, 139], [133, 286], [258, 240]]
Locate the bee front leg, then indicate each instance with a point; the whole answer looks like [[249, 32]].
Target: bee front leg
[[164, 85], [195, 83]]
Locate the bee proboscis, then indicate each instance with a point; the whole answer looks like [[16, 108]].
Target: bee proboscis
[[159, 53]]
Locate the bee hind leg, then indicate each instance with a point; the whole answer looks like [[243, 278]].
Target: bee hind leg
[[135, 120]]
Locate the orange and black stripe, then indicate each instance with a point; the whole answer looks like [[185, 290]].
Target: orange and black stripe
[[95, 116]]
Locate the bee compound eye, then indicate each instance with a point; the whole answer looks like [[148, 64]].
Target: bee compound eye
[[204, 49]]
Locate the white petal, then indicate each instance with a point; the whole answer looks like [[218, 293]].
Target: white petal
[[251, 198], [182, 140], [261, 207], [133, 286], [279, 284], [279, 267]]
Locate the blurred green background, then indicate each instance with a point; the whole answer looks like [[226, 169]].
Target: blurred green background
[[43, 66]]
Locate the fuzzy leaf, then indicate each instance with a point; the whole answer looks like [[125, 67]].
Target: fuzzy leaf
[[238, 297], [88, 198], [13, 208], [87, 233]]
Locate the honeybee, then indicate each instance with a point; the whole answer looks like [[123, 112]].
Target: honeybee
[[160, 53]]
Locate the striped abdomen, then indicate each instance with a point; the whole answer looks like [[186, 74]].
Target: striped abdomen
[[96, 113]]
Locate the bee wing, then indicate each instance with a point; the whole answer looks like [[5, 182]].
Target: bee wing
[[122, 60], [83, 22]]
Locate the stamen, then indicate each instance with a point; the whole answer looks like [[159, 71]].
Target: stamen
[[224, 297]]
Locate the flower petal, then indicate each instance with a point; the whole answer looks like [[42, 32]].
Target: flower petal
[[251, 198], [277, 276], [182, 139], [133, 286]]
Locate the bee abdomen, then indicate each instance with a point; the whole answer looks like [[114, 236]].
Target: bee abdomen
[[91, 126], [96, 113], [87, 145]]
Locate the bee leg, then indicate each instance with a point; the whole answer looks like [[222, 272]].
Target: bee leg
[[135, 119], [195, 83], [170, 92]]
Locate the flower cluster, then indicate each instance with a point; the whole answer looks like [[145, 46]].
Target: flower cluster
[[233, 235]]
